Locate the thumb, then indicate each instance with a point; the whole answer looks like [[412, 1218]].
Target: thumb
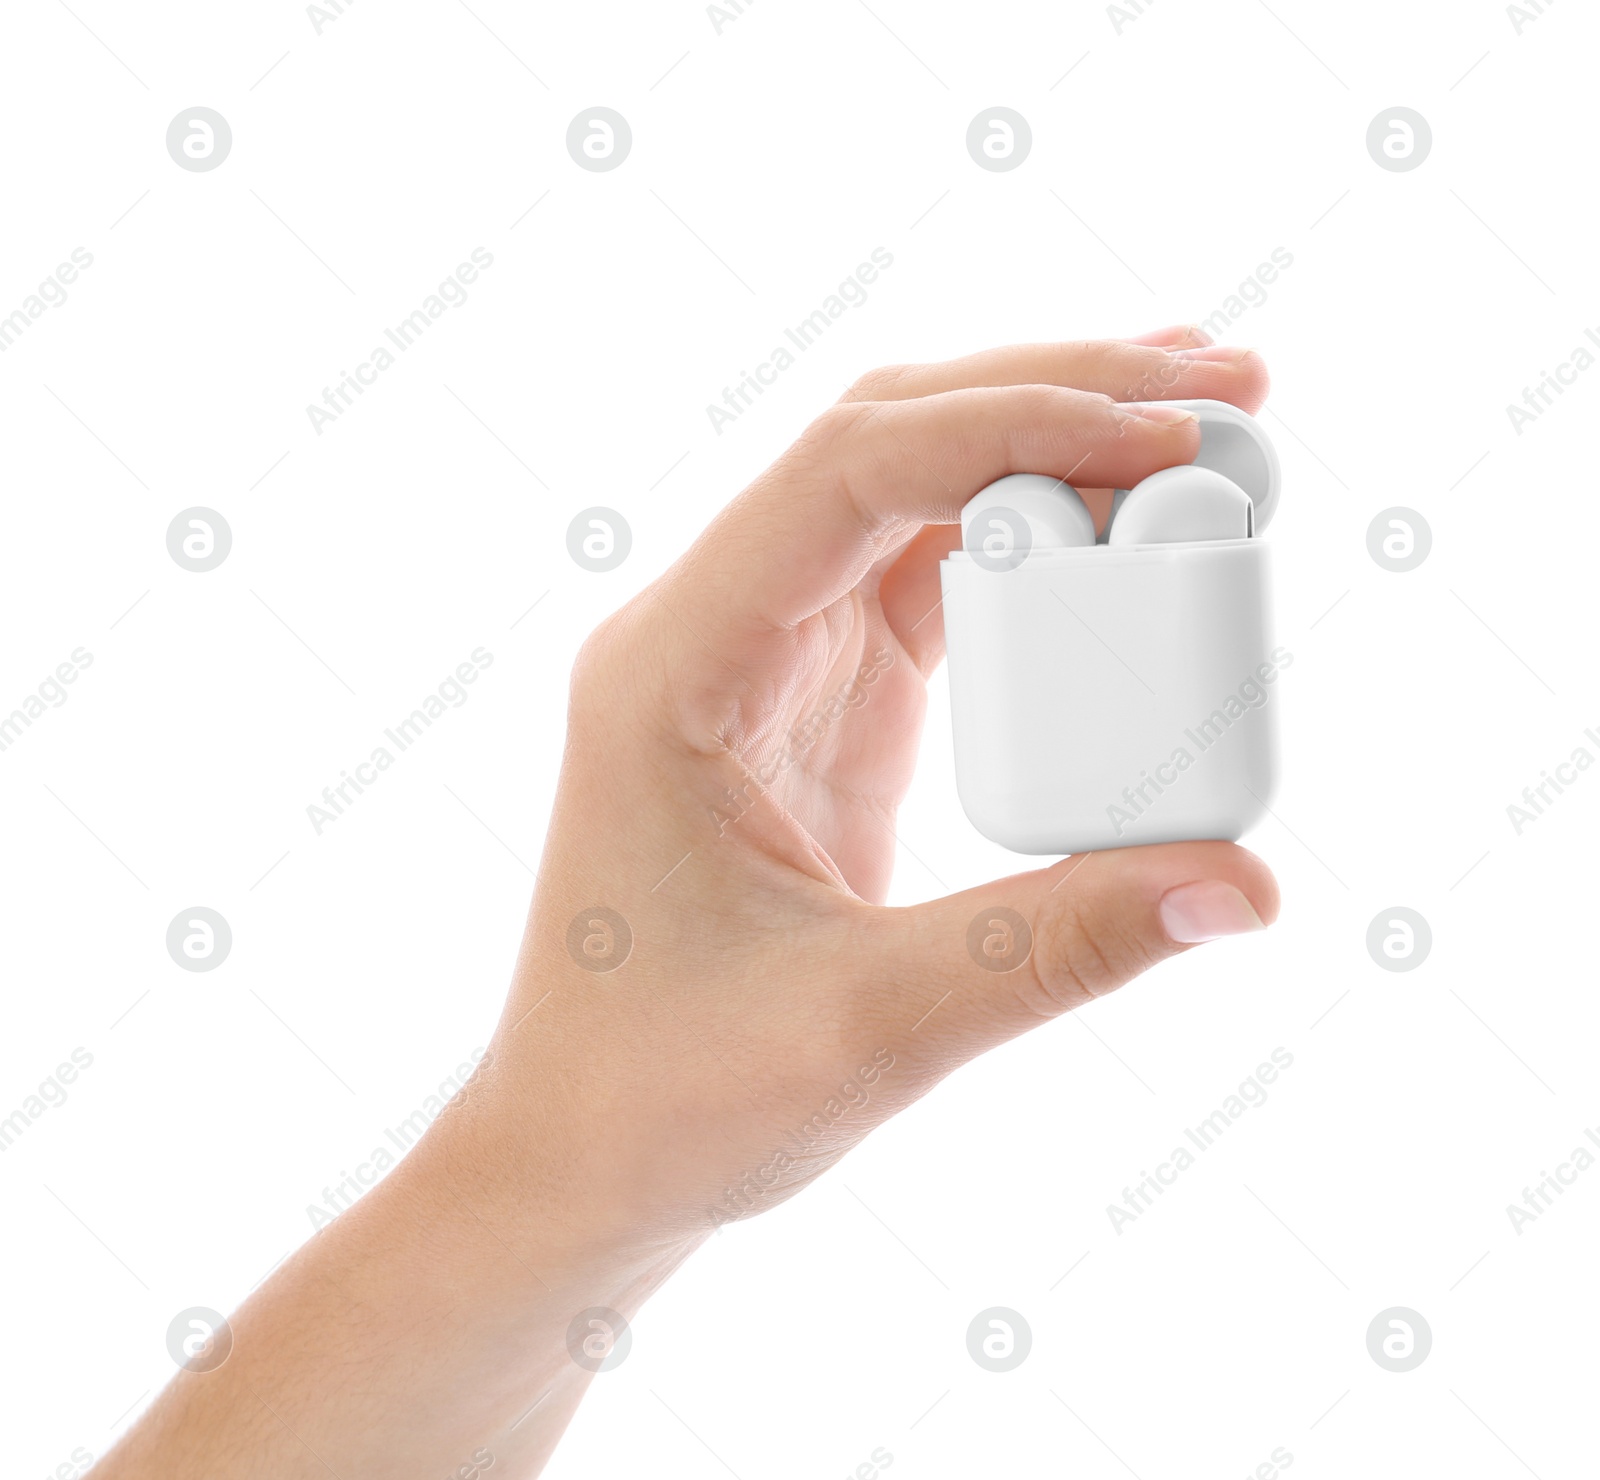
[[981, 966]]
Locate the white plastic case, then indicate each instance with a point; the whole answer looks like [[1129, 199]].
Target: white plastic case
[[1107, 696]]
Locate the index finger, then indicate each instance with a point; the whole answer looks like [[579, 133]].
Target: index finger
[[867, 475], [1123, 370]]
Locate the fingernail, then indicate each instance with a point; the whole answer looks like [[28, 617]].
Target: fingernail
[[1192, 913], [1158, 412], [1222, 354], [1187, 336]]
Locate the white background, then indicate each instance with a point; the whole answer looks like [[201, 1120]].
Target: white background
[[1168, 162]]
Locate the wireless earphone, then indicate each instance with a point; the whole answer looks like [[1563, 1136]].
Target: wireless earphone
[[1182, 505], [1117, 691], [1023, 512], [1203, 500]]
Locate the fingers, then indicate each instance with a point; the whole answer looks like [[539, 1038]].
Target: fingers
[[1179, 336], [1116, 368], [989, 963], [912, 598], [910, 591], [866, 475]]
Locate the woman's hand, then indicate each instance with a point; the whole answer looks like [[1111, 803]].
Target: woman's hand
[[731, 1007], [712, 1002]]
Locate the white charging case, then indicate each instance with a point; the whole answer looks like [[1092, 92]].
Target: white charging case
[[1105, 696]]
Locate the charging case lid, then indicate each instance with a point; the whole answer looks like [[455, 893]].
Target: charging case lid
[[1232, 443]]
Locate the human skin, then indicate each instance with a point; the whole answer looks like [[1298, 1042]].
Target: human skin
[[621, 1115]]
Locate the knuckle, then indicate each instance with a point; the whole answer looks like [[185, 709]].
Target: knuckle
[[837, 447], [1099, 411], [880, 384], [1103, 423], [1057, 420], [840, 424], [626, 677], [1079, 955], [1151, 375], [1102, 359], [603, 666], [594, 659], [1088, 410]]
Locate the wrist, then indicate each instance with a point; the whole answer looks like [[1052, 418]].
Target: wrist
[[531, 1211], [444, 1293]]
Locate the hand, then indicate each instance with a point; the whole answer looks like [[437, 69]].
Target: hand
[[712, 1003], [740, 737]]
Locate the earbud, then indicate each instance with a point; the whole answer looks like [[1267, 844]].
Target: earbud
[[1026, 511], [1179, 506], [1227, 493]]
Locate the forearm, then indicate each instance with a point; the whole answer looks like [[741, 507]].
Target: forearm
[[713, 1004], [424, 1330]]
